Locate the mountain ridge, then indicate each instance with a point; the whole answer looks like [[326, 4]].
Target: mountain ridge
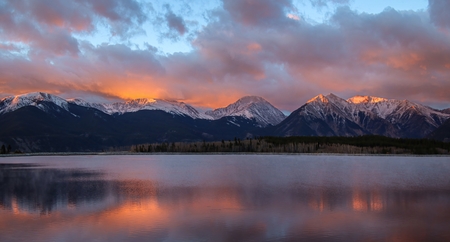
[[250, 107], [331, 115], [12, 103], [45, 122]]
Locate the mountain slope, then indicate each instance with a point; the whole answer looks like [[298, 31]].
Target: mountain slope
[[411, 119], [44, 122], [31, 129], [331, 115], [173, 107], [442, 133], [320, 116], [251, 107], [247, 107], [36, 99]]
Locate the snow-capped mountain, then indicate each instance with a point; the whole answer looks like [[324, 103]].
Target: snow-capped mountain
[[173, 107], [332, 115], [251, 107], [36, 99], [327, 115], [398, 112], [248, 107], [321, 116]]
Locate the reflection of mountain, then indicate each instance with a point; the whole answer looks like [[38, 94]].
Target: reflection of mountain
[[44, 190], [136, 210], [38, 189]]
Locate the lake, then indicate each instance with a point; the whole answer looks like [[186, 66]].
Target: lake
[[224, 198]]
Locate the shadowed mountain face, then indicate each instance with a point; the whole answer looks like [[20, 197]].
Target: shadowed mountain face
[[88, 129], [442, 133], [333, 116], [251, 107], [40, 122]]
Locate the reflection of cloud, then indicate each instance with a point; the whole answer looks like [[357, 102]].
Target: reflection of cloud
[[250, 210], [376, 201], [367, 201], [359, 202]]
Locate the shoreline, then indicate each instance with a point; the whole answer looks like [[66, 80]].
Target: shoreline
[[123, 153]]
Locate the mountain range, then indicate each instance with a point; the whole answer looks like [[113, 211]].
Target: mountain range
[[39, 121], [331, 115]]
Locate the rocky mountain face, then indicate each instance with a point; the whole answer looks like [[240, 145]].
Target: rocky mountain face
[[34, 99], [173, 107], [331, 115], [251, 107], [44, 122], [79, 128]]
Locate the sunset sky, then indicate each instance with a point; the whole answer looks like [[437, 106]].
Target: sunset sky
[[209, 53]]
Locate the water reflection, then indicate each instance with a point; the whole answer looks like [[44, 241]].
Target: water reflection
[[31, 188], [74, 204]]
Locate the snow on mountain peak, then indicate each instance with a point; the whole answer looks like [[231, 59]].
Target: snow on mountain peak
[[141, 101], [366, 99], [391, 110], [251, 107], [325, 98], [135, 105], [319, 98], [13, 103], [247, 100]]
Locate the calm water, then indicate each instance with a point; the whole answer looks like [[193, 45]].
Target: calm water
[[225, 198]]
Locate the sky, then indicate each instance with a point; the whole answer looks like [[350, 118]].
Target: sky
[[209, 53]]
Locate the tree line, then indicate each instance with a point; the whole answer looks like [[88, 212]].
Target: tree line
[[302, 144], [7, 149]]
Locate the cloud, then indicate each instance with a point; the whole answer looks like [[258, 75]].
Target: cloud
[[439, 12], [324, 3], [257, 12], [19, 29], [175, 22], [245, 48], [107, 70], [123, 17], [354, 53]]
